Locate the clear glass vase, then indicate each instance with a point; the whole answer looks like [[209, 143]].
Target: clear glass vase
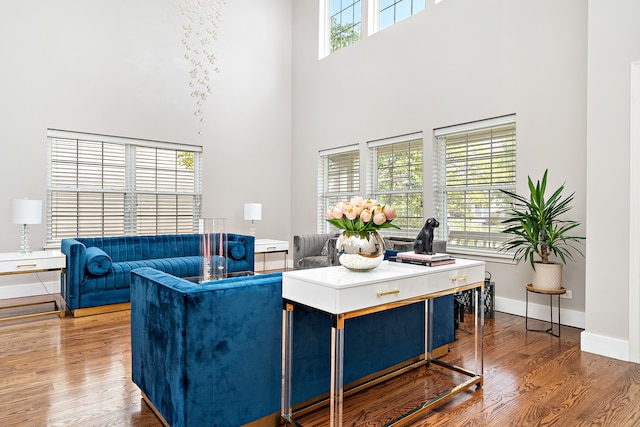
[[362, 251], [214, 249]]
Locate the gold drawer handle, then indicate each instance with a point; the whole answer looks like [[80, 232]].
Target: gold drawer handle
[[27, 265], [455, 279], [393, 292]]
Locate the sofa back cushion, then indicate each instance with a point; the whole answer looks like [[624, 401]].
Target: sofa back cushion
[[134, 248], [240, 248]]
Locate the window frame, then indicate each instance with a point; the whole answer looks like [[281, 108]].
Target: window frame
[[394, 4], [121, 185], [496, 209]]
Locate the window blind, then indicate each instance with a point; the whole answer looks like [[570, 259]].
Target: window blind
[[473, 163], [107, 186], [396, 178], [338, 178]]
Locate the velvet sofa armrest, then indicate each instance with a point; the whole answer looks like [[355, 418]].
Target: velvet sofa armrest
[[76, 264], [207, 354], [249, 243]]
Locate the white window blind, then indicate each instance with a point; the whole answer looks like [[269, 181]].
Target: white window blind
[[107, 186], [338, 179], [473, 162], [396, 179]]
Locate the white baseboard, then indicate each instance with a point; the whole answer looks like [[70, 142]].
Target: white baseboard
[[604, 346], [541, 311]]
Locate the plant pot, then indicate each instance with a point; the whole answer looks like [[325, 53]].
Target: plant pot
[[547, 276], [360, 252]]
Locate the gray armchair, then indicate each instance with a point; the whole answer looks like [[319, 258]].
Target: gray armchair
[[404, 244], [315, 250], [319, 250]]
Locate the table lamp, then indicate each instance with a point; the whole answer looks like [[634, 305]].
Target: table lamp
[[253, 212], [25, 212]]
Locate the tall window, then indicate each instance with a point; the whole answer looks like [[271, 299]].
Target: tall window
[[107, 186], [338, 181], [396, 179], [473, 162], [392, 11], [345, 19]]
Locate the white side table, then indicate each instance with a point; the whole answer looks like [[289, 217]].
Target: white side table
[[342, 294], [270, 246], [33, 262]]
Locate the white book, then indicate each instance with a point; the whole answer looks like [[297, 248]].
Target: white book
[[438, 256]]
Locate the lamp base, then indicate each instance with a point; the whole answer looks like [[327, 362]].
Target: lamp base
[[24, 240], [252, 228]]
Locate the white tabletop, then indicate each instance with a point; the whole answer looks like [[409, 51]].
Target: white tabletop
[[19, 256], [339, 290]]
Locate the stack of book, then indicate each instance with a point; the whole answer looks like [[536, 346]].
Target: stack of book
[[431, 260]]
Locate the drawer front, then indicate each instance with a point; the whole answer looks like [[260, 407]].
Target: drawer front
[[26, 265], [272, 247], [375, 294]]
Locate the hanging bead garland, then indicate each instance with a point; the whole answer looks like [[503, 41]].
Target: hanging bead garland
[[200, 31]]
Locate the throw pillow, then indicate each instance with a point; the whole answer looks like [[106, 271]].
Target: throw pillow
[[237, 251], [325, 249], [98, 262]]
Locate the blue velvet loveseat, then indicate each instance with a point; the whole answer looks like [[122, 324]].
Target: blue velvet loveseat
[[210, 354], [98, 270]]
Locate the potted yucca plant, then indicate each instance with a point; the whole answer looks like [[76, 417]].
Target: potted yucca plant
[[538, 232]]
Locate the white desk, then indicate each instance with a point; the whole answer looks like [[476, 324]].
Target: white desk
[[270, 246], [342, 294], [33, 262]]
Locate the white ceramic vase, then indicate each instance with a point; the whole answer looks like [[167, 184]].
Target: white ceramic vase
[[547, 276]]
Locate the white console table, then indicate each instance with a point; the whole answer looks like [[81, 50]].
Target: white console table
[[342, 294], [33, 262], [270, 246]]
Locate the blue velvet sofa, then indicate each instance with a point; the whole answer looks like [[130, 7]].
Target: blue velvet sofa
[[210, 354], [97, 276]]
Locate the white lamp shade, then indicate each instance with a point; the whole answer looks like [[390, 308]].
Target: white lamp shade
[[25, 211], [253, 211]]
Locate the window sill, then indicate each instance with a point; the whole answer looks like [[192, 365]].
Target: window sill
[[482, 255]]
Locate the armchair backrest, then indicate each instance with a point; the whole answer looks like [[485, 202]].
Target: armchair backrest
[[309, 245]]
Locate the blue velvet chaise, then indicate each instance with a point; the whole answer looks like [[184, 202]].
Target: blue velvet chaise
[[97, 276], [210, 354]]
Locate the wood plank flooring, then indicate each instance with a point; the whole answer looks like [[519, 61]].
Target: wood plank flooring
[[77, 372]]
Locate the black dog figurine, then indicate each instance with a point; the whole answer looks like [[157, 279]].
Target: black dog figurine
[[424, 241]]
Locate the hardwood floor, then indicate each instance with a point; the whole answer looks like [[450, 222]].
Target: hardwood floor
[[76, 372]]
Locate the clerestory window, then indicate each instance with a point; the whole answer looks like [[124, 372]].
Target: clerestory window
[[392, 11], [345, 18]]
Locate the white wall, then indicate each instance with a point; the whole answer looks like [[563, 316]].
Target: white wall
[[118, 68], [458, 61], [614, 43]]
